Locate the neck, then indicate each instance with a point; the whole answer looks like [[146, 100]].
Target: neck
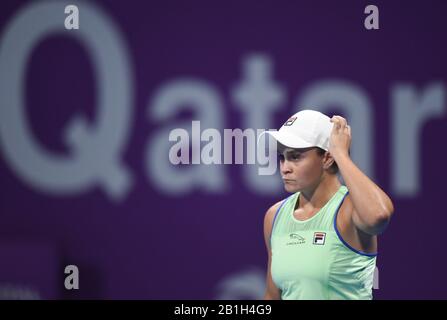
[[316, 197]]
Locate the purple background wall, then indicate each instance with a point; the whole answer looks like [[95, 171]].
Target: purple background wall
[[205, 244]]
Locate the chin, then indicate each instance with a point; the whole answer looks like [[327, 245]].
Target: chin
[[291, 188]]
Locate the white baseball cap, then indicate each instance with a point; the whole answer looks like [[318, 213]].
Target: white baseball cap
[[307, 128]]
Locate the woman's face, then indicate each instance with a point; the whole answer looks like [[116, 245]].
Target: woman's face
[[300, 168]]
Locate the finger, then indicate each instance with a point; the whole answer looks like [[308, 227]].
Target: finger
[[336, 121], [336, 126], [348, 129], [342, 121]]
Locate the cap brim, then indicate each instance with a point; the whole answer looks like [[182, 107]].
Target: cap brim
[[288, 140]]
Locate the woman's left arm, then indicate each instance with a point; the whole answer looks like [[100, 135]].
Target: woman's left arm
[[372, 207]]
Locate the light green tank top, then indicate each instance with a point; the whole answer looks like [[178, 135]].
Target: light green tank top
[[310, 259]]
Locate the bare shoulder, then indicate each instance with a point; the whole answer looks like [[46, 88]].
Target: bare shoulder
[[344, 216], [354, 236], [347, 206], [269, 216]]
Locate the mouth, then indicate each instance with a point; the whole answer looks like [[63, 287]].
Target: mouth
[[288, 180]]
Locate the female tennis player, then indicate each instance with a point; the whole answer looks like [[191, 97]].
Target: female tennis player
[[322, 239]]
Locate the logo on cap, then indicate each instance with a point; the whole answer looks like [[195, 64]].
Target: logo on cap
[[290, 121]]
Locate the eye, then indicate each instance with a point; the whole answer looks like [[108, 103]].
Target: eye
[[295, 156], [281, 157]]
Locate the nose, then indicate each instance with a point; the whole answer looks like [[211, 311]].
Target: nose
[[284, 167]]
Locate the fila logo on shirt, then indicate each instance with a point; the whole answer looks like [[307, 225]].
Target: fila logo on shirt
[[319, 238]]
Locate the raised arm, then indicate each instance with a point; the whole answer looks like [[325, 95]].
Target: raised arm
[[372, 207]]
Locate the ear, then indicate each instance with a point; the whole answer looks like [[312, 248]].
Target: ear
[[328, 160]]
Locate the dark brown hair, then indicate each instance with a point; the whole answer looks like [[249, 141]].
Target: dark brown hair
[[333, 169]]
